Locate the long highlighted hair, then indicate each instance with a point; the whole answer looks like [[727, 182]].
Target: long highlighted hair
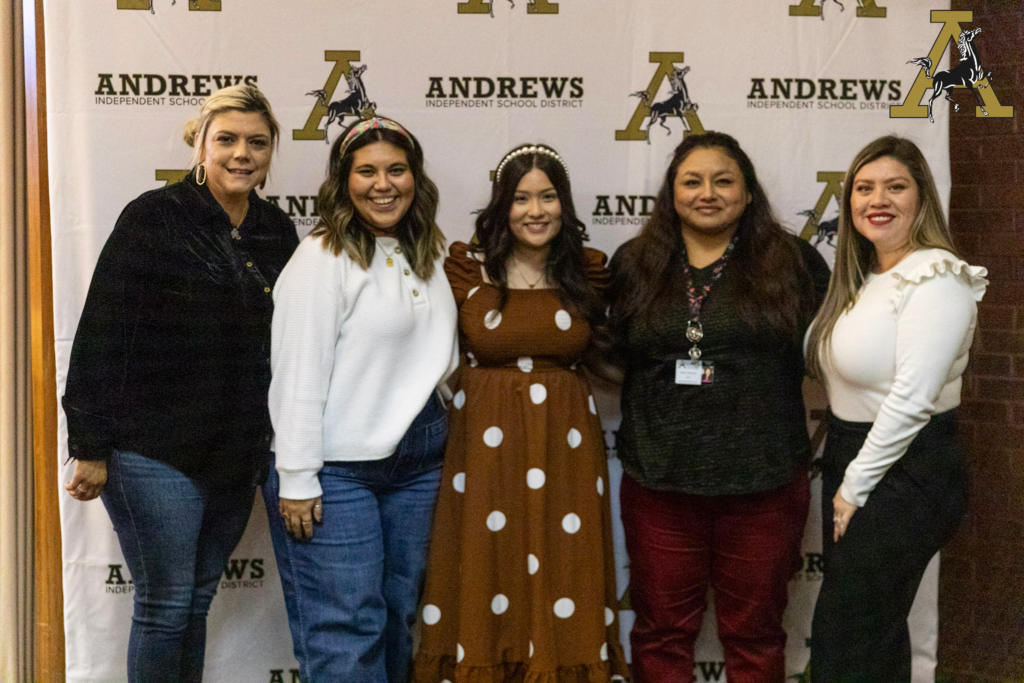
[[854, 253], [341, 226]]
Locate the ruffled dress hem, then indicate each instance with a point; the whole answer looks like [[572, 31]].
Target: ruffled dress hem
[[430, 669]]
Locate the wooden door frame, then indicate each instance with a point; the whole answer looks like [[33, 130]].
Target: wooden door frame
[[49, 583]]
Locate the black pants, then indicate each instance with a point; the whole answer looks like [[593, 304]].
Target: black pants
[[859, 633]]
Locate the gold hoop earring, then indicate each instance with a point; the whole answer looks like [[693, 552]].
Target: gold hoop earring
[[200, 174]]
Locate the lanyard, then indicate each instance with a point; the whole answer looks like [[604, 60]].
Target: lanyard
[[694, 330]]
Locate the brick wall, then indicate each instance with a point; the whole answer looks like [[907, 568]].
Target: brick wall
[[981, 603]]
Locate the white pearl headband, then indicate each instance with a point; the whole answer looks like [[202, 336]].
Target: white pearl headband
[[532, 149]]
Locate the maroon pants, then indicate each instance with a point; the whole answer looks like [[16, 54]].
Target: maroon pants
[[746, 546]]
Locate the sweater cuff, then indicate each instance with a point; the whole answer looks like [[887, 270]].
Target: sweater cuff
[[299, 484], [850, 498], [90, 453]]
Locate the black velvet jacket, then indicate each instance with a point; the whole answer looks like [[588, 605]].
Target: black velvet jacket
[[172, 354]]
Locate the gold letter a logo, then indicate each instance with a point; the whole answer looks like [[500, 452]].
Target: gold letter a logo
[[342, 66], [666, 66], [912, 107]]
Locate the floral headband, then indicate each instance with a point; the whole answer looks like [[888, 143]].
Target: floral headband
[[532, 149], [373, 123]]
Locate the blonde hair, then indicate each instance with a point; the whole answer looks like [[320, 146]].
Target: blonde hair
[[244, 98], [854, 252]]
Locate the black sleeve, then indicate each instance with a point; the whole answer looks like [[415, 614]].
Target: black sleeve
[[818, 270], [100, 352]]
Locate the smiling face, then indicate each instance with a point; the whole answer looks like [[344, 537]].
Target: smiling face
[[709, 193], [884, 204], [536, 214], [236, 154], [381, 186]]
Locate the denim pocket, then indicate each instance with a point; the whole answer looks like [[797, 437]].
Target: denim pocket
[[422, 447]]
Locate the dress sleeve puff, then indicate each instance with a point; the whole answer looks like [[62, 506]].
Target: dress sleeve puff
[[463, 270], [596, 267]]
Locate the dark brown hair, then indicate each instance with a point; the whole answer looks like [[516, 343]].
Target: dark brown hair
[[566, 267], [775, 292], [341, 226]]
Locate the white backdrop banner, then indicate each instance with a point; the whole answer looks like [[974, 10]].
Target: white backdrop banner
[[614, 87]]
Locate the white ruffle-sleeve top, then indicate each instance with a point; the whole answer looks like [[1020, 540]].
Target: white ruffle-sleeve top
[[355, 354], [897, 355]]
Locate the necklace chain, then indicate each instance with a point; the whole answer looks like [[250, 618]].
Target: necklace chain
[[523, 277], [397, 250]]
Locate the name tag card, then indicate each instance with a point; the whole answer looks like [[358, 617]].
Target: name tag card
[[694, 372]]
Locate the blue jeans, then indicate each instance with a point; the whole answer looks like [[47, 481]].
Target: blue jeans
[[352, 591], [176, 535]]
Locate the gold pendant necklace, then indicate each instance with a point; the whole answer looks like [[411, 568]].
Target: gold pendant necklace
[[389, 262]]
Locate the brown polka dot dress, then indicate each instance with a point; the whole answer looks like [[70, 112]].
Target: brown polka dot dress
[[521, 576]]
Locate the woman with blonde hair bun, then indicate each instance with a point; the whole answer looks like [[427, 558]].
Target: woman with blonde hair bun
[[891, 342], [166, 396]]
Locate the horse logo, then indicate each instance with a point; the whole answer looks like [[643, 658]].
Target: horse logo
[[487, 7], [826, 232], [842, 7], [355, 103], [677, 104], [967, 73], [193, 4]]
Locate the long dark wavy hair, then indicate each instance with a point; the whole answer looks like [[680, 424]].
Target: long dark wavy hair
[[565, 268], [341, 226], [775, 291]]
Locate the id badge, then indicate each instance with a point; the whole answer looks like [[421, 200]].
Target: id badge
[[694, 372]]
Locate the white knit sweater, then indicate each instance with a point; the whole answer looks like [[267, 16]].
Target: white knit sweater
[[355, 355], [897, 356]]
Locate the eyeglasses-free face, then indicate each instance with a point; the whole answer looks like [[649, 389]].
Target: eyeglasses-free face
[[381, 185]]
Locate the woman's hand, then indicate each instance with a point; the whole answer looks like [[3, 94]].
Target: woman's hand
[[299, 516], [88, 481], [842, 512]]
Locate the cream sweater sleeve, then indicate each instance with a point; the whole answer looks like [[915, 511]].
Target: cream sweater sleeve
[[936, 311], [308, 307]]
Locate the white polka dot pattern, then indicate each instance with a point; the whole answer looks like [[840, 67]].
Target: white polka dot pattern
[[532, 564], [496, 521], [431, 614], [609, 616], [593, 406], [472, 359], [459, 400], [499, 604], [604, 652], [564, 608], [600, 486], [563, 320], [459, 482], [538, 392], [460, 653], [473, 291], [493, 437], [535, 478], [575, 438], [571, 523], [525, 363], [492, 319], [531, 648]]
